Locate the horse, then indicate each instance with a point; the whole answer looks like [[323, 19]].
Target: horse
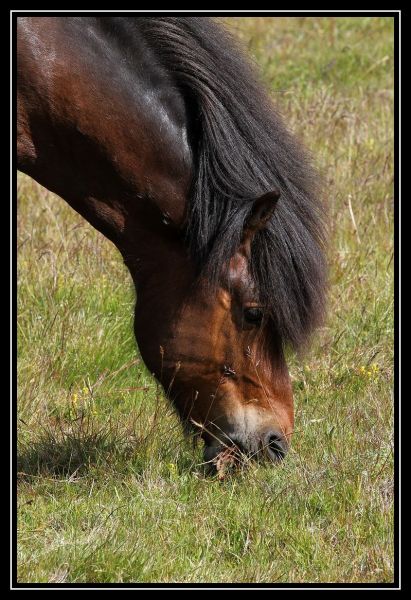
[[158, 131]]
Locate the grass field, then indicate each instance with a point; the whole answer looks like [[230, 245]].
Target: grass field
[[108, 488]]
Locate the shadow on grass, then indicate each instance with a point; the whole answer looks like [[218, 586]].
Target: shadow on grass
[[67, 449]]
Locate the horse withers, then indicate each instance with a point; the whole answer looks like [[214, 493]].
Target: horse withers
[[157, 132]]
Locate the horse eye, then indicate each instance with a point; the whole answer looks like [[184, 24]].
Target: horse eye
[[254, 316]]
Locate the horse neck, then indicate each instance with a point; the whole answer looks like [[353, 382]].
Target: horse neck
[[105, 132]]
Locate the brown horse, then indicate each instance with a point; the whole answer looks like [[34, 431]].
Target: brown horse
[[156, 131]]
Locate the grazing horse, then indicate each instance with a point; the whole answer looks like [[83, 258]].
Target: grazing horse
[[157, 131]]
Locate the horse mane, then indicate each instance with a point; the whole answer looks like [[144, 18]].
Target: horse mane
[[241, 150]]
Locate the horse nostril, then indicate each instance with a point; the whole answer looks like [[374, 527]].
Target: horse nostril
[[276, 446]]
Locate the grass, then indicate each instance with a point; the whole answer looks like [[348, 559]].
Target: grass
[[108, 488]]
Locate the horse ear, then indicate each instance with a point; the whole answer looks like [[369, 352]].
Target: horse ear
[[261, 212]]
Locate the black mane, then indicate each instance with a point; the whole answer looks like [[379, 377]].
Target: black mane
[[242, 150]]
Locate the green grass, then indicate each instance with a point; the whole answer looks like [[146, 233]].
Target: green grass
[[108, 488]]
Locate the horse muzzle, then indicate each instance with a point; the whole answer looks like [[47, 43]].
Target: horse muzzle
[[272, 446]]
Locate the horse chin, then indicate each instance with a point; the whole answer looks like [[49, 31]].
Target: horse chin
[[211, 452]]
